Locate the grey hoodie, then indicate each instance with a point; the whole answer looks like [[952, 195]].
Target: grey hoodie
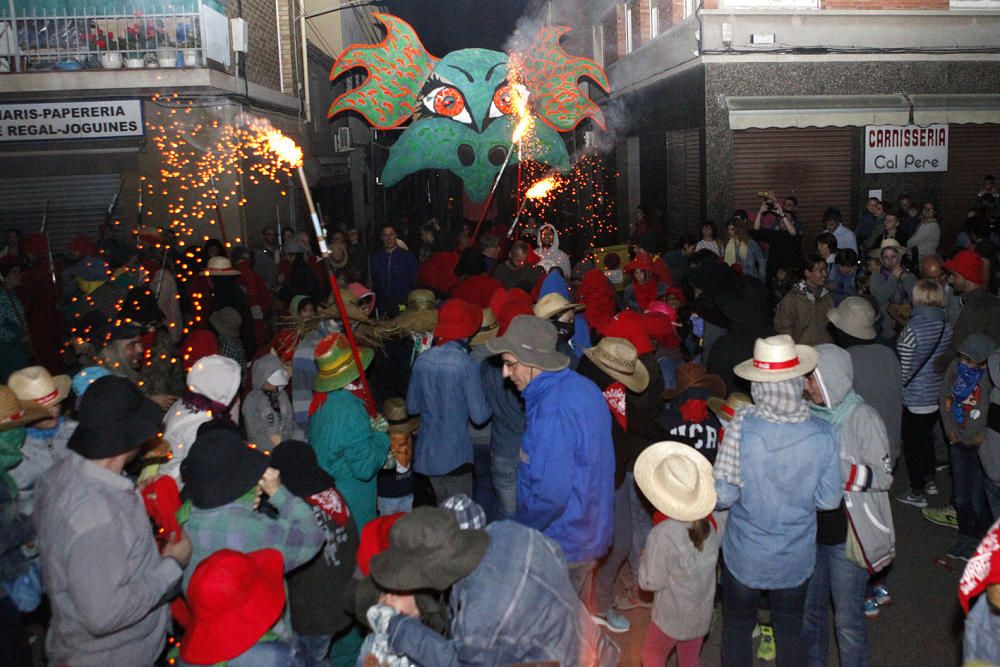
[[259, 418], [552, 256], [989, 451], [865, 460]]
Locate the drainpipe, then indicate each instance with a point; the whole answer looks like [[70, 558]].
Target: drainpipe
[[306, 107]]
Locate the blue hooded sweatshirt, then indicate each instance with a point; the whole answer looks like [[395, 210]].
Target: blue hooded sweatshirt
[[566, 476], [554, 282]]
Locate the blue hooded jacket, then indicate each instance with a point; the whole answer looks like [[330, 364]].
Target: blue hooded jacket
[[566, 476], [554, 282]]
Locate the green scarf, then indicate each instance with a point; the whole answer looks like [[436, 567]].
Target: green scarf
[[10, 455], [837, 415]]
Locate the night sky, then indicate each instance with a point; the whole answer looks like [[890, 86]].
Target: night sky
[[447, 25]]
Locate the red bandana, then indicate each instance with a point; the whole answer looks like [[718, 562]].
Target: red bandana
[[694, 411], [614, 394]]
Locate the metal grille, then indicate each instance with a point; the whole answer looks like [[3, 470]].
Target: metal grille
[[973, 152]]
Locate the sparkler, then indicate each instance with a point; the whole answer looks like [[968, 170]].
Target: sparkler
[[539, 190]]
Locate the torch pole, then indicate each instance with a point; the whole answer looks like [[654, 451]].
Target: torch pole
[[48, 244], [335, 288], [489, 198]]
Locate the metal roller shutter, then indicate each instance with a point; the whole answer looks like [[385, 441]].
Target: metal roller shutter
[[77, 204], [812, 164], [685, 203], [973, 152]]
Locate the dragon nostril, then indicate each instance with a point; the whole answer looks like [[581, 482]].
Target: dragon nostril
[[496, 155], [466, 154]]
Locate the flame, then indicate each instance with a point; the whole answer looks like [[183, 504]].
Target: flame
[[541, 188], [519, 96], [284, 148]]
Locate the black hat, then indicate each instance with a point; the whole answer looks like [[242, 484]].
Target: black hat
[[115, 417], [300, 470], [220, 467]]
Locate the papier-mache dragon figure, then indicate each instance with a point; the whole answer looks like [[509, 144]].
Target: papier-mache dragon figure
[[462, 106]]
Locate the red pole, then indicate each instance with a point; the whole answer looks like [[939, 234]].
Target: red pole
[[369, 399]]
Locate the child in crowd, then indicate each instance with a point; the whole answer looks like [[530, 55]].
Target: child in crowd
[[395, 485], [689, 419], [964, 400], [267, 410], [709, 234], [842, 280], [679, 560]]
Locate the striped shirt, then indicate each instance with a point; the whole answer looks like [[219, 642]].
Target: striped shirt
[[925, 337]]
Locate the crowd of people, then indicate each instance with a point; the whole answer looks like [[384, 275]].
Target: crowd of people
[[476, 451]]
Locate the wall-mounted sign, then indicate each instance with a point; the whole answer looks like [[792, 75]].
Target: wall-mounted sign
[[895, 148], [84, 119]]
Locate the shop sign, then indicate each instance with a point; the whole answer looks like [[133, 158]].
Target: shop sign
[[905, 148], [83, 119]]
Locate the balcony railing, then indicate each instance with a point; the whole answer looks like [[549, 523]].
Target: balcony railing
[[64, 35]]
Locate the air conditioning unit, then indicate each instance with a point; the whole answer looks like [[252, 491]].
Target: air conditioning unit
[[342, 140]]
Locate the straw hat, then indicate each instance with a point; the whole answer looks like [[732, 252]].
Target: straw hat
[[726, 409], [618, 358], [220, 266], [854, 316], [677, 480], [336, 363], [14, 412], [36, 384], [338, 255], [227, 322], [488, 330], [553, 305], [395, 412], [777, 358], [421, 312]]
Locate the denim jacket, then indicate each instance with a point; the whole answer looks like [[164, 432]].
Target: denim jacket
[[507, 429], [446, 391], [517, 606], [789, 471]]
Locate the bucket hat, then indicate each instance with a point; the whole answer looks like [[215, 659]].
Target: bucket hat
[[618, 358], [427, 549], [400, 421], [532, 341], [553, 305], [777, 358], [14, 412], [235, 598], [457, 320], [299, 468], [336, 363], [220, 467], [726, 409], [37, 385], [487, 330], [968, 264], [692, 375], [677, 480], [220, 266], [227, 322], [115, 417], [855, 316]]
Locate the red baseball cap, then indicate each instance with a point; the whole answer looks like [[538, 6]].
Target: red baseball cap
[[457, 319], [967, 264]]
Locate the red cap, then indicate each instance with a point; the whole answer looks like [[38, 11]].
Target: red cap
[[967, 264], [631, 326], [83, 245], [284, 344], [375, 539], [35, 245], [235, 598], [642, 262], [457, 319], [199, 343], [660, 328]]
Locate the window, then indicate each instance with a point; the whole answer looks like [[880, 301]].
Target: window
[[690, 7], [599, 44], [654, 20], [975, 4], [628, 30], [770, 4]]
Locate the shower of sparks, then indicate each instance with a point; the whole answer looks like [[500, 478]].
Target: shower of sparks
[[541, 188]]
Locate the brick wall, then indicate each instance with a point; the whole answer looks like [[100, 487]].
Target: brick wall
[[262, 53]]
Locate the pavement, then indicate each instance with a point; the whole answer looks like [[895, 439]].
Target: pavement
[[922, 626]]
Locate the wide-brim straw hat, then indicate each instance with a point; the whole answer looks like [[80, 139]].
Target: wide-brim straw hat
[[854, 316], [618, 358], [15, 412], [692, 375], [777, 358], [338, 255], [220, 266], [36, 385], [553, 305], [532, 341], [421, 312], [399, 418], [488, 330], [725, 409], [677, 480]]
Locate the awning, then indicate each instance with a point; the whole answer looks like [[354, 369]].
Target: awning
[[931, 109], [817, 111]]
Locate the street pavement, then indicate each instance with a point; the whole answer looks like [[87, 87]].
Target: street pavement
[[923, 625]]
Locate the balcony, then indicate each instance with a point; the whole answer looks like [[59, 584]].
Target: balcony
[[74, 35]]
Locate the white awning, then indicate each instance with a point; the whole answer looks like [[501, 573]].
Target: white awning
[[957, 109], [817, 111]]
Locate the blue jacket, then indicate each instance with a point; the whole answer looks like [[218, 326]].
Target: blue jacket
[[915, 345], [789, 471], [393, 276], [446, 391], [517, 606], [565, 479], [507, 427]]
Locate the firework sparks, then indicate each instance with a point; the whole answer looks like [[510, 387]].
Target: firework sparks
[[542, 188]]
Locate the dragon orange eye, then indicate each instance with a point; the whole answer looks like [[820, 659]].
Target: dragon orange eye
[[503, 100], [448, 102]]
